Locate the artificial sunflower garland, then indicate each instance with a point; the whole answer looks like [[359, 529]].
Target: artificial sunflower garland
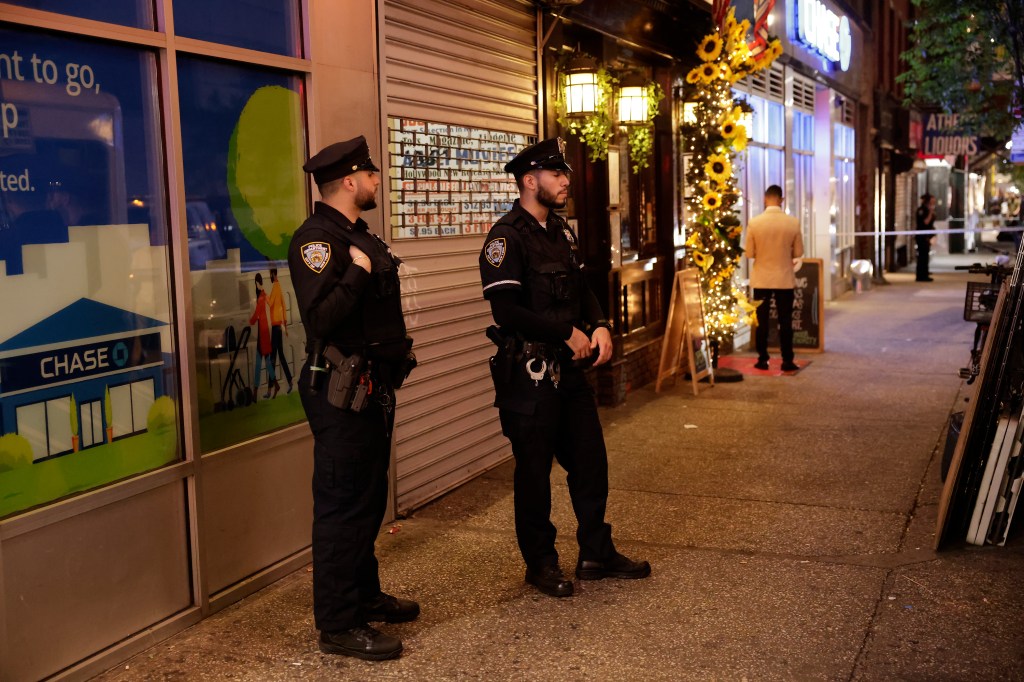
[[712, 143]]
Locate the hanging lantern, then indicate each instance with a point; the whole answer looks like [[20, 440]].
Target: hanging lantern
[[633, 100], [581, 89]]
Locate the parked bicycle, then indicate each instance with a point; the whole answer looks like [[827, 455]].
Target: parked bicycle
[[979, 304]]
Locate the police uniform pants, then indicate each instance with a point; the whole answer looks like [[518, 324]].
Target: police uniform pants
[[923, 242], [351, 453], [784, 308], [565, 426]]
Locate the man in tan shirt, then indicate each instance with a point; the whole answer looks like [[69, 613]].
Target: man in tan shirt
[[774, 241]]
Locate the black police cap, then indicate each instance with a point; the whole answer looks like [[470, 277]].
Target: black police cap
[[546, 154], [340, 159]]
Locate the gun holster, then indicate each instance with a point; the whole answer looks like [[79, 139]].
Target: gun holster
[[345, 379], [504, 359]]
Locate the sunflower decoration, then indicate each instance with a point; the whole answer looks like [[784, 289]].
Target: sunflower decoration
[[714, 137], [709, 72], [728, 128], [727, 74], [730, 21], [703, 260], [710, 48], [719, 168], [739, 140], [739, 55], [712, 200]]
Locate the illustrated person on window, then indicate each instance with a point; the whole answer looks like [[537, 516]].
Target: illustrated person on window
[[261, 318], [278, 329]]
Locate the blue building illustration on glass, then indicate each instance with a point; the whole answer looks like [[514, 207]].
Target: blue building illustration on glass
[[90, 364]]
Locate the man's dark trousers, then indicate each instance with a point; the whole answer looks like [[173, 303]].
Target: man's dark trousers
[[351, 453], [784, 309], [924, 246], [564, 425]]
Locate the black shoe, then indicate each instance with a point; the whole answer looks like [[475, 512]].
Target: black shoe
[[790, 367], [618, 566], [390, 609], [550, 581], [924, 279], [761, 364], [362, 642]]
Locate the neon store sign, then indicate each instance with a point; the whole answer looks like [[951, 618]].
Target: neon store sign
[[824, 31]]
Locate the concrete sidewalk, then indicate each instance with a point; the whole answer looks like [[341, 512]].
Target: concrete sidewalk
[[789, 522]]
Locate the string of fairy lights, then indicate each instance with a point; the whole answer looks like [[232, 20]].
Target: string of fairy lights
[[714, 135]]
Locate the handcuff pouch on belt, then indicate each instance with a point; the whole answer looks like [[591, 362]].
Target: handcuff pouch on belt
[[536, 358], [349, 384]]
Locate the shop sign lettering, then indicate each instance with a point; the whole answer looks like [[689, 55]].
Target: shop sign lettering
[[942, 137], [74, 363], [824, 31]]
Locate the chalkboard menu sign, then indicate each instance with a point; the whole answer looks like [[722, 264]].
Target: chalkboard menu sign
[[808, 309]]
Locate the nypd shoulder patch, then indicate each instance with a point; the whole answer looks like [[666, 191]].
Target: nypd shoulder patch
[[316, 255], [494, 251]]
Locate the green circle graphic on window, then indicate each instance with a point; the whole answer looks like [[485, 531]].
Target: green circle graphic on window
[[264, 169]]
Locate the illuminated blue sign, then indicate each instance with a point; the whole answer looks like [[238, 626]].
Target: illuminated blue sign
[[824, 31]]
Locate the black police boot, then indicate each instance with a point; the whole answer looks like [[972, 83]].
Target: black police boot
[[616, 566], [362, 642], [389, 609], [549, 580]]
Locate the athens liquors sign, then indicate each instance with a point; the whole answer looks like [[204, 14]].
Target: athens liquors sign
[[942, 137], [824, 31]]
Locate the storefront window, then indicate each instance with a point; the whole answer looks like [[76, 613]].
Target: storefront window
[[88, 393], [765, 158], [137, 13], [843, 208], [801, 198], [244, 144], [264, 25]]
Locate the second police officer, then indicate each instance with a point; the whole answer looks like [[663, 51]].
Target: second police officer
[[347, 291], [550, 327]]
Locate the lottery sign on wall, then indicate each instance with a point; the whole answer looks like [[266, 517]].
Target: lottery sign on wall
[[448, 180]]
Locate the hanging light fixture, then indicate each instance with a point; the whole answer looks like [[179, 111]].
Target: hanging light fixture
[[581, 90], [632, 100]]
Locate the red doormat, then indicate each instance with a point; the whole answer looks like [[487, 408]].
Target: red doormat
[[745, 365]]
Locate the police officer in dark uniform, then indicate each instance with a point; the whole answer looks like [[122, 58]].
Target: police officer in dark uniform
[[550, 326], [924, 220], [347, 289]]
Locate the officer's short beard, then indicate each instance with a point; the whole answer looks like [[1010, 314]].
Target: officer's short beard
[[549, 200], [366, 200]]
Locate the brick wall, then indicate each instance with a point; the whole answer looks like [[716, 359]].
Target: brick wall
[[637, 368]]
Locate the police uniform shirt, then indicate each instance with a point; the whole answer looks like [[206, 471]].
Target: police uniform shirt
[[517, 245], [338, 302], [922, 219]]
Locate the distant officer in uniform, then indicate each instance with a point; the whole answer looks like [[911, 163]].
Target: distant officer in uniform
[[550, 327], [924, 220], [347, 289]]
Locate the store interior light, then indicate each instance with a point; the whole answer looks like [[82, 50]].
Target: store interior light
[[632, 100], [690, 113], [747, 120], [581, 89]]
